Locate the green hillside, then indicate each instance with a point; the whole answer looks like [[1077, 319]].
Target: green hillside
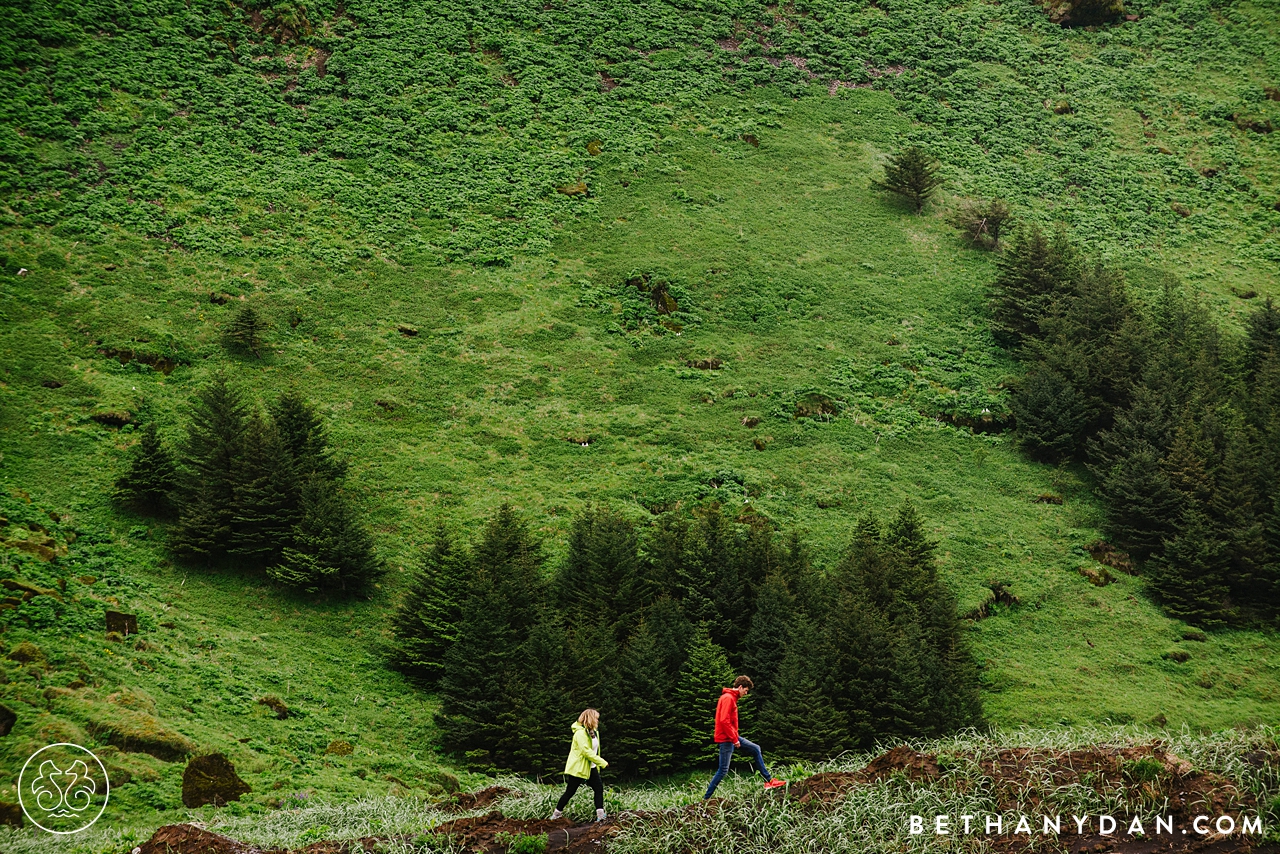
[[437, 209]]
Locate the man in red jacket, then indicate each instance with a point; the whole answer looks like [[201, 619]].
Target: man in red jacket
[[728, 737]]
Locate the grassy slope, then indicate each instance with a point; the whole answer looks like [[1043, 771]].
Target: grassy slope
[[801, 275]]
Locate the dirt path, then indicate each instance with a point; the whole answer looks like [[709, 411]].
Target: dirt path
[[1148, 775]]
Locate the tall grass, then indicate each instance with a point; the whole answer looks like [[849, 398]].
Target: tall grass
[[667, 815]]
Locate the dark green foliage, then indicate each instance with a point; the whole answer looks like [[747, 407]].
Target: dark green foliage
[[875, 651], [304, 436], [426, 621], [1051, 415], [913, 174], [268, 498], [331, 549], [982, 223], [1178, 423], [214, 441], [1190, 573], [1263, 337], [799, 718], [642, 710], [268, 495], [244, 332], [1084, 13], [1033, 272], [705, 672], [600, 579], [152, 477], [767, 640], [1092, 338], [542, 705], [482, 669]]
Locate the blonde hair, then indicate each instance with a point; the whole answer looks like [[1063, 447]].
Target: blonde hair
[[590, 719]]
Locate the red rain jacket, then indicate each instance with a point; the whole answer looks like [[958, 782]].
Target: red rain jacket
[[727, 716]]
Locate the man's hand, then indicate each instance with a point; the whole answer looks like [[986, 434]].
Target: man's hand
[[737, 744]]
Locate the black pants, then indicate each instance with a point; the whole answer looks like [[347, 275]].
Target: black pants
[[572, 784]]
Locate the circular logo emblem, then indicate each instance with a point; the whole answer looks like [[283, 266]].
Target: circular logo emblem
[[63, 788]]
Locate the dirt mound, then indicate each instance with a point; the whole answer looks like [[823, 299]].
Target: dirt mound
[[1148, 775], [189, 839], [481, 833], [483, 799], [830, 786]]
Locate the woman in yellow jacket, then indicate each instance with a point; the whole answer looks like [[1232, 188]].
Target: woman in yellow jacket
[[584, 763]]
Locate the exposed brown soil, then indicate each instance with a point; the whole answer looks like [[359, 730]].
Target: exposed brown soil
[[1163, 783], [480, 833], [829, 787], [1108, 555], [468, 801], [189, 839]]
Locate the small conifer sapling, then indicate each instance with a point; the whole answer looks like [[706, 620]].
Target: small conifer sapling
[[913, 174]]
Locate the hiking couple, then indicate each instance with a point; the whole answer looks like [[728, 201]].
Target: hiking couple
[[585, 763]]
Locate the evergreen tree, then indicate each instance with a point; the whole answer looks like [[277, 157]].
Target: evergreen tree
[[152, 477], [643, 713], [798, 719], [767, 641], [1142, 504], [1091, 337], [595, 654], [672, 633], [1234, 508], [913, 174], [305, 437], [267, 495], [426, 622], [600, 579], [708, 546], [947, 666], [476, 716], [1190, 574], [706, 671], [907, 709], [1187, 467], [1034, 271], [665, 551], [482, 667], [1263, 338], [541, 708], [1051, 415], [331, 549], [857, 649], [906, 535], [214, 440], [245, 331]]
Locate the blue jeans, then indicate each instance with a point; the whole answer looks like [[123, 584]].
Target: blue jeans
[[726, 754]]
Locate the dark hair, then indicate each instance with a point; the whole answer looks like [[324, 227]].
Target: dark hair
[[744, 682]]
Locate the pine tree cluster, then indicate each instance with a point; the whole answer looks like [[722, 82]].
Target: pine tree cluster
[[648, 623], [260, 489], [1179, 422]]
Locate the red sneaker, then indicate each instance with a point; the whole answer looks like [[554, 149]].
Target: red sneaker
[[775, 783]]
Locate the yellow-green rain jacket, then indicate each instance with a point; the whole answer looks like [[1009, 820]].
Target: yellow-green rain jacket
[[581, 756]]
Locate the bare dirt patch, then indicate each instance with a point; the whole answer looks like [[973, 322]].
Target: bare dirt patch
[[481, 833], [829, 787], [483, 799]]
